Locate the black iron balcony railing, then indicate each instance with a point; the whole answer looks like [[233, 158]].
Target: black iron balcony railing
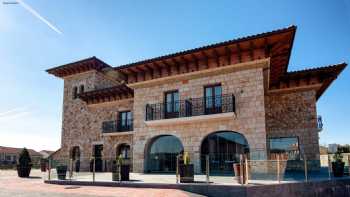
[[191, 107], [117, 126], [319, 123]]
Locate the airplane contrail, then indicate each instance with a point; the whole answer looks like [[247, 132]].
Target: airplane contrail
[[12, 111], [36, 14]]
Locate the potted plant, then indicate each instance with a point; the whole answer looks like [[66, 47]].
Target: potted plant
[[120, 169], [24, 164], [77, 165], [61, 172], [338, 165], [186, 170], [43, 165]]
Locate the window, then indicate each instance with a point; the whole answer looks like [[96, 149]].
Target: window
[[213, 99], [8, 157], [81, 89], [124, 151], [75, 92], [172, 105], [162, 152], [286, 147], [125, 121]]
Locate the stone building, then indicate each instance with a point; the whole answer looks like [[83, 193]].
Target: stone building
[[222, 100]]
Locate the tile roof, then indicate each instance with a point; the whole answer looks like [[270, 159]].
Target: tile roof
[[12, 150]]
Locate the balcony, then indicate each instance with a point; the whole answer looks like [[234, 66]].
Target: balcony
[[319, 123], [113, 127], [195, 107]]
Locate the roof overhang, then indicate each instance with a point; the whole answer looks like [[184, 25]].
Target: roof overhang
[[275, 45], [110, 94], [318, 79], [84, 65]]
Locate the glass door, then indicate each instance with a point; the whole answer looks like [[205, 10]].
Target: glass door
[[172, 105], [213, 99]]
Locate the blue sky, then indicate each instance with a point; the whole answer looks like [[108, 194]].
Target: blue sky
[[120, 32]]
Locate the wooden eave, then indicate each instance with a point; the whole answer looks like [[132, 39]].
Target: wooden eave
[[84, 65], [110, 94], [276, 45], [319, 78]]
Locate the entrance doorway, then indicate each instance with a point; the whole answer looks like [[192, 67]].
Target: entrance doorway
[[124, 151], [75, 156], [97, 153], [224, 149], [161, 154]]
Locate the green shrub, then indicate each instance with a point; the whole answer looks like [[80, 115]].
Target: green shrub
[[24, 158], [338, 157], [186, 158]]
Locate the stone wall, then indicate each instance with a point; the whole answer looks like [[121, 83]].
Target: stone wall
[[293, 114], [259, 115], [246, 85], [82, 124]]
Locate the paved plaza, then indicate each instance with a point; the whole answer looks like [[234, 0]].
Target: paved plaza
[[12, 186]]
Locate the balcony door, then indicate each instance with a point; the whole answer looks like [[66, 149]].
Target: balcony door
[[172, 105], [125, 121], [213, 99]]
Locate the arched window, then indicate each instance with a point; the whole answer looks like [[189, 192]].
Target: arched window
[[162, 152], [75, 92], [224, 149], [81, 89], [124, 151]]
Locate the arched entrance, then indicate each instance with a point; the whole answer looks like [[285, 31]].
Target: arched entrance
[[224, 149], [75, 156], [124, 151], [161, 154]]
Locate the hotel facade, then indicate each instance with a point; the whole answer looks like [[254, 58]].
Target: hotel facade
[[222, 100]]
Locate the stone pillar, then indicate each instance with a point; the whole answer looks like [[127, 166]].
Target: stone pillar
[[197, 162], [138, 154]]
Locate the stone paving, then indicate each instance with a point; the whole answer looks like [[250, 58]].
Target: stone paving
[[11, 185]]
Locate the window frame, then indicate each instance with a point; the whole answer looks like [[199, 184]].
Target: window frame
[[213, 109], [127, 124], [285, 151], [175, 111]]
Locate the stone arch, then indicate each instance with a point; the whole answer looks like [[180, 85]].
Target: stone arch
[[224, 148], [160, 153], [75, 152]]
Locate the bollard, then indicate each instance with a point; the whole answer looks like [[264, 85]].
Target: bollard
[[93, 169], [207, 167], [49, 170], [349, 164], [177, 169], [246, 169], [329, 168], [241, 168], [305, 168], [70, 169], [278, 169], [120, 171]]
